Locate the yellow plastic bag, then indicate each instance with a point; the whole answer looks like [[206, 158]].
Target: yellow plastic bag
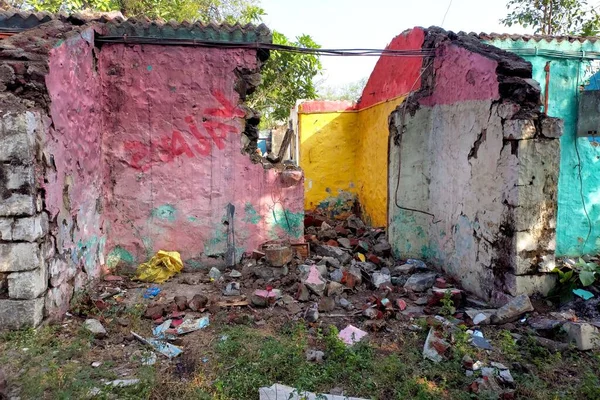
[[160, 268]]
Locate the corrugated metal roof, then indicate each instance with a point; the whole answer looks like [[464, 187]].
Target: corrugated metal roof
[[534, 38]]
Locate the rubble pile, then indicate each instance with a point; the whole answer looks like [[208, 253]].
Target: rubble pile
[[345, 275]]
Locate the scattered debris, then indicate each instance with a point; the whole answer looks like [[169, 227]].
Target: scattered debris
[[214, 274], [435, 346], [315, 355], [278, 391], [151, 292], [512, 310], [420, 282], [163, 347], [584, 294], [232, 289], [123, 382], [163, 266], [351, 335], [95, 327], [585, 336]]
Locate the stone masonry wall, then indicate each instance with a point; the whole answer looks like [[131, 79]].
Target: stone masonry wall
[[473, 171], [25, 245]]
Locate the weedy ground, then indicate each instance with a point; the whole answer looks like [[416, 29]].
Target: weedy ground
[[228, 361]]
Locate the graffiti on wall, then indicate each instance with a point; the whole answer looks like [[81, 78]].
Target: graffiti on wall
[[211, 133]]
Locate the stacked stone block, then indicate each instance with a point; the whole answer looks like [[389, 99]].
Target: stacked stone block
[[23, 224]]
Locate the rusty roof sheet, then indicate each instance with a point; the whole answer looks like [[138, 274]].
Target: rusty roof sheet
[[534, 38]]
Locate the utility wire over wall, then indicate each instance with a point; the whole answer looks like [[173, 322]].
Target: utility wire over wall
[[264, 46]]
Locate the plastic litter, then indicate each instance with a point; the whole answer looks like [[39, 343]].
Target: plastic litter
[[278, 391], [163, 347], [151, 292], [584, 294], [161, 267], [191, 325]]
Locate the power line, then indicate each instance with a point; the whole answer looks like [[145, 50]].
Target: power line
[[263, 46]]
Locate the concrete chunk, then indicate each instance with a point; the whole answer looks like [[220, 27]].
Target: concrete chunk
[[27, 285], [513, 310], [15, 257], [18, 314], [420, 282], [585, 336]]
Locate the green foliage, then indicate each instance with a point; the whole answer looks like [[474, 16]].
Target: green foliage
[[286, 78], [447, 304], [554, 17], [587, 272]]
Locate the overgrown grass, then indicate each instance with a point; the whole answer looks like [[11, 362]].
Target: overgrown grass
[[242, 359]]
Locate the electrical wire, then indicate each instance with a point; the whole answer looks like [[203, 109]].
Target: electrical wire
[[446, 14], [262, 46]]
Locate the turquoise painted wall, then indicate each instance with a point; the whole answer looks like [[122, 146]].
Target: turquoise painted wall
[[566, 77]]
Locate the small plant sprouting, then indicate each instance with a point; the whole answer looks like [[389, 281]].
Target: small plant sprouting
[[447, 304]]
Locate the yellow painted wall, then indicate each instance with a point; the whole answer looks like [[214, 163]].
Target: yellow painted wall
[[328, 144], [372, 160]]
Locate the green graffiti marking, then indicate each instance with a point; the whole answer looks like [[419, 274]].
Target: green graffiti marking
[[166, 212], [117, 255], [192, 219], [252, 216], [291, 223], [149, 67]]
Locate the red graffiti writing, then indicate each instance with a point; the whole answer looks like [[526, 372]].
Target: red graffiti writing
[[142, 155]]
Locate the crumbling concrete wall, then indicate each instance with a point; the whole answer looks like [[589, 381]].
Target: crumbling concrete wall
[[149, 147], [473, 171], [72, 155], [173, 157]]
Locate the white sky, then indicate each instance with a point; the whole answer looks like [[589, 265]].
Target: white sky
[[373, 24]]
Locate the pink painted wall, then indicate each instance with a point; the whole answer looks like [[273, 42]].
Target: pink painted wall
[[173, 160], [461, 75], [73, 153], [395, 76]]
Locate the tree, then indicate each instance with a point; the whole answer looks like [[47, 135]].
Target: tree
[[350, 92], [554, 17], [287, 77]]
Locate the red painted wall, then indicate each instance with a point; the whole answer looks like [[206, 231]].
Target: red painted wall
[[173, 156], [395, 76]]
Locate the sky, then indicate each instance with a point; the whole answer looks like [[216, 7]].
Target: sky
[[373, 24]]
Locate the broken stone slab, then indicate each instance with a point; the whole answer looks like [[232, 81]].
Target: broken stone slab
[[435, 346], [380, 279], [315, 355], [330, 262], [351, 334], [544, 324], [355, 223], [312, 313], [512, 310], [278, 391], [382, 248], [330, 251], [420, 282], [345, 243], [335, 289], [264, 298], [505, 377], [585, 336], [352, 277], [95, 327], [278, 255], [314, 282], [404, 269], [337, 275], [481, 316]]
